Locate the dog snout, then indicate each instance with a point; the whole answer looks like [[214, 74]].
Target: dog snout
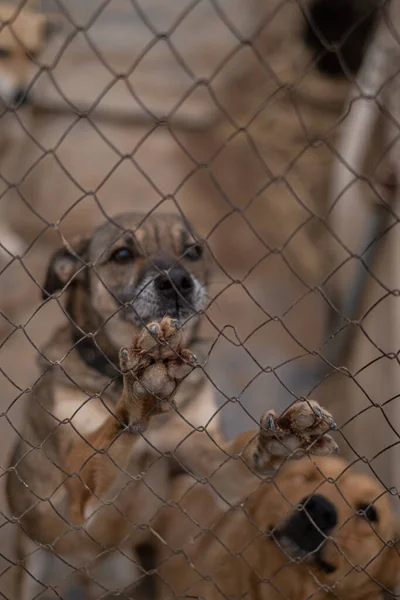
[[320, 512], [175, 280], [309, 525]]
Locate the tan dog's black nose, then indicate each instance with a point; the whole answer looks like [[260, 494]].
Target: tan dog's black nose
[[174, 281], [320, 513], [309, 524]]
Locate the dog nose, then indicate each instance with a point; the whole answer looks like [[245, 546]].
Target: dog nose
[[175, 280], [321, 512], [20, 96]]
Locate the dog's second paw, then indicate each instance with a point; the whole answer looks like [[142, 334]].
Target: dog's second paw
[[155, 363], [301, 429]]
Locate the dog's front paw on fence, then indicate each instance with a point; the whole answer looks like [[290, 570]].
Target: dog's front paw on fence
[[302, 429], [154, 365]]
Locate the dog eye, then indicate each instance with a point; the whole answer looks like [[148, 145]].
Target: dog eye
[[5, 52], [368, 511], [122, 256], [193, 252]]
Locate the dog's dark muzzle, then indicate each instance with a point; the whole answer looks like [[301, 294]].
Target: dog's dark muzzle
[[174, 284], [307, 528], [163, 288]]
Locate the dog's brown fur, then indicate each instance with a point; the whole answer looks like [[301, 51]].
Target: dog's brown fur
[[209, 553]]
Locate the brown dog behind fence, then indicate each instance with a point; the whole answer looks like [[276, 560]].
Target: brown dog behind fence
[[317, 529]]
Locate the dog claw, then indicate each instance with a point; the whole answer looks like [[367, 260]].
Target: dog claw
[[175, 324], [194, 358], [153, 329], [124, 353], [317, 411], [332, 424], [270, 423]]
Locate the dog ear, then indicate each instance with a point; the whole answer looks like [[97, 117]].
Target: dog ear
[[66, 265]]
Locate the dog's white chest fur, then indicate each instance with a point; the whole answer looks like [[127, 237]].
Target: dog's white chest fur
[[85, 413]]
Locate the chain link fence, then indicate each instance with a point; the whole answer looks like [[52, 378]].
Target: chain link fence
[[252, 153]]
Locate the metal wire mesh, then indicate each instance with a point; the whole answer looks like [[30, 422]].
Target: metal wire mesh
[[269, 132]]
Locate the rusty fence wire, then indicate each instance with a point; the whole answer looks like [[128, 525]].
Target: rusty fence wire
[[199, 212]]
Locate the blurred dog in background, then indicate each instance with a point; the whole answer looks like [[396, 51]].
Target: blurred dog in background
[[300, 65], [23, 35]]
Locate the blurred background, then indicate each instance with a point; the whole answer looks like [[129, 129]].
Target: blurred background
[[272, 126]]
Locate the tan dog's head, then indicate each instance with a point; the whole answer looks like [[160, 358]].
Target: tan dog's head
[[336, 524], [142, 268], [23, 34]]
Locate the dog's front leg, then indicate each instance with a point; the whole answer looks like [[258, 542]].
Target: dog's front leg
[[234, 467], [152, 368]]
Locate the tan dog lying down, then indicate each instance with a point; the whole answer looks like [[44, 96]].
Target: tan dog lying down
[[317, 529]]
